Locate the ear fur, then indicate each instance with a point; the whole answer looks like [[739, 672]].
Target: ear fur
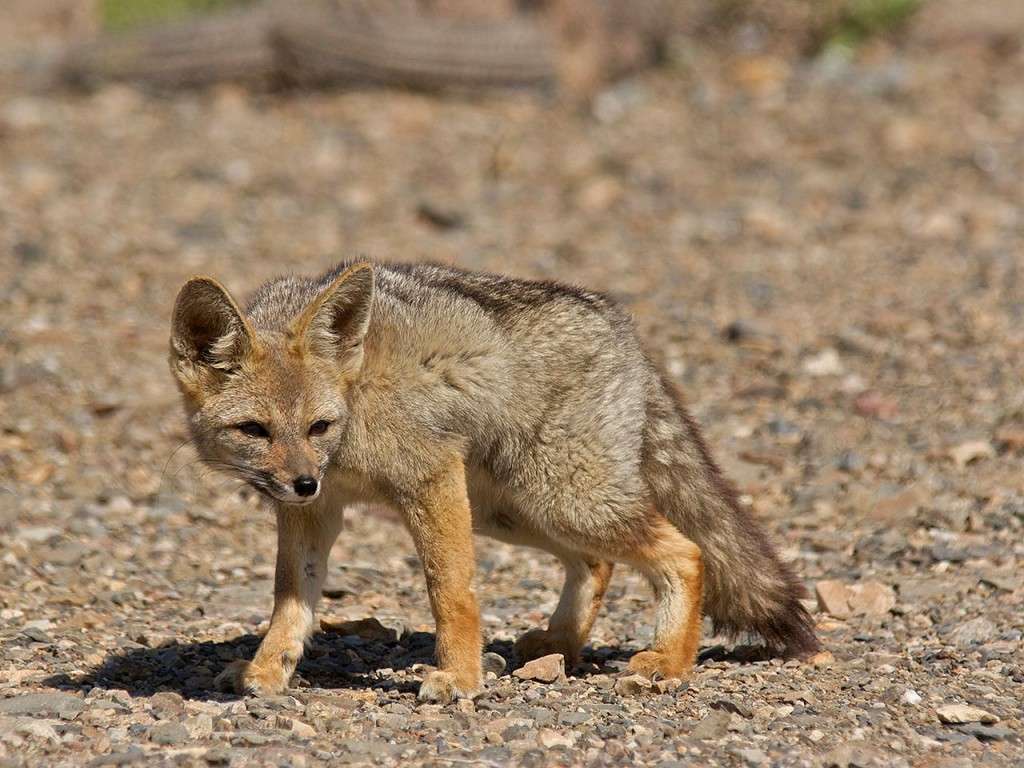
[[334, 325], [208, 332]]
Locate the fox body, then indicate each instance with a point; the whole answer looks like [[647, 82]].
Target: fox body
[[470, 402]]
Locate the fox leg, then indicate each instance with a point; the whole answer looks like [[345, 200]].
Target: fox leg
[[672, 563], [304, 539], [586, 580], [438, 517]]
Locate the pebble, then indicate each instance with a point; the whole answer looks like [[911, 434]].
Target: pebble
[[964, 713], [169, 734], [546, 669], [632, 685]]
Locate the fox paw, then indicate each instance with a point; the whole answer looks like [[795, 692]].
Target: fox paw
[[542, 642], [440, 687], [244, 677], [658, 666]]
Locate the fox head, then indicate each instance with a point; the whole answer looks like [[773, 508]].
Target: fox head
[[270, 405]]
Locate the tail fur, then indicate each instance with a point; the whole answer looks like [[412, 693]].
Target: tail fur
[[746, 587]]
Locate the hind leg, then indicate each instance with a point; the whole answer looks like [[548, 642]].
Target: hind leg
[[586, 580], [672, 563]]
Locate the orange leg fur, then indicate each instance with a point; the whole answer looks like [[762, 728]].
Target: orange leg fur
[[673, 565], [440, 523], [304, 539]]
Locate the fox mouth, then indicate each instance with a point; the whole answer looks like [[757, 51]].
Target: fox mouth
[[268, 486], [276, 491]]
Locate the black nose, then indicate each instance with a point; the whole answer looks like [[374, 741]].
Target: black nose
[[305, 485]]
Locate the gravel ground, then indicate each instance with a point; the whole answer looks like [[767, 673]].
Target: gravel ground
[[827, 256]]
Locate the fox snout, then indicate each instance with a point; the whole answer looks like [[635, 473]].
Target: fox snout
[[297, 475]]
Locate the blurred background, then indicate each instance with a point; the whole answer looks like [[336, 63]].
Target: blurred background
[[813, 208]]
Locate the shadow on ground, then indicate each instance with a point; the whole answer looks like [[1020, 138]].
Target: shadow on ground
[[331, 662]]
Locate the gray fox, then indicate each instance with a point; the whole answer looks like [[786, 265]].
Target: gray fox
[[470, 402]]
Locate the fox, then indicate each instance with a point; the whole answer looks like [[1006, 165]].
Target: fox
[[472, 403]]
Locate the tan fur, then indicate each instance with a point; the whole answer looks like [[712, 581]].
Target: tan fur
[[469, 402]]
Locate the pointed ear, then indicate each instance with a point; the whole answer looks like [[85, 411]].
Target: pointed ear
[[208, 332], [335, 324]]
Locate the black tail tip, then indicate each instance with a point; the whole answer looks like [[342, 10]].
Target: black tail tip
[[791, 632]]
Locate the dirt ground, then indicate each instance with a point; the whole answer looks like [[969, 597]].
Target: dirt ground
[[828, 257]]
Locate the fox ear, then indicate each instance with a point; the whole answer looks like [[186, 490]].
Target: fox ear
[[335, 324], [207, 331]]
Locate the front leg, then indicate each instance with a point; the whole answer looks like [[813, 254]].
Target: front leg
[[438, 516], [304, 539]]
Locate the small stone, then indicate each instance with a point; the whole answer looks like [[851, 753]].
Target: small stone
[[546, 669], [61, 704], [167, 705], [494, 663], [36, 634], [168, 734], [974, 632], [826, 363], [548, 738], [38, 729], [833, 598], [752, 756], [876, 405], [736, 707], [855, 755], [911, 697], [971, 451], [822, 659], [957, 714], [871, 598], [632, 685], [296, 727], [713, 726], [367, 629], [986, 732], [1010, 438], [200, 726]]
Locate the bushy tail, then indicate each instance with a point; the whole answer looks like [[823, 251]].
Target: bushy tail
[[746, 587]]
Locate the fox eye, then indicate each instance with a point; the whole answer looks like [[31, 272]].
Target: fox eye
[[317, 428], [252, 429]]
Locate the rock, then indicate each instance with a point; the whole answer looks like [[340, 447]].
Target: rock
[[632, 685], [822, 659], [548, 738], [855, 755], [974, 632], [833, 598], [1010, 438], [911, 697], [200, 726], [169, 734], [546, 669], [296, 727], [826, 363], [368, 629], [871, 598], [494, 663], [167, 705], [736, 707], [971, 451], [957, 714], [61, 704], [713, 726], [752, 756], [875, 405], [899, 506], [38, 729], [986, 732]]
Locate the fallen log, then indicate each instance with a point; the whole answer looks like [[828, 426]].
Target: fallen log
[[577, 45]]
